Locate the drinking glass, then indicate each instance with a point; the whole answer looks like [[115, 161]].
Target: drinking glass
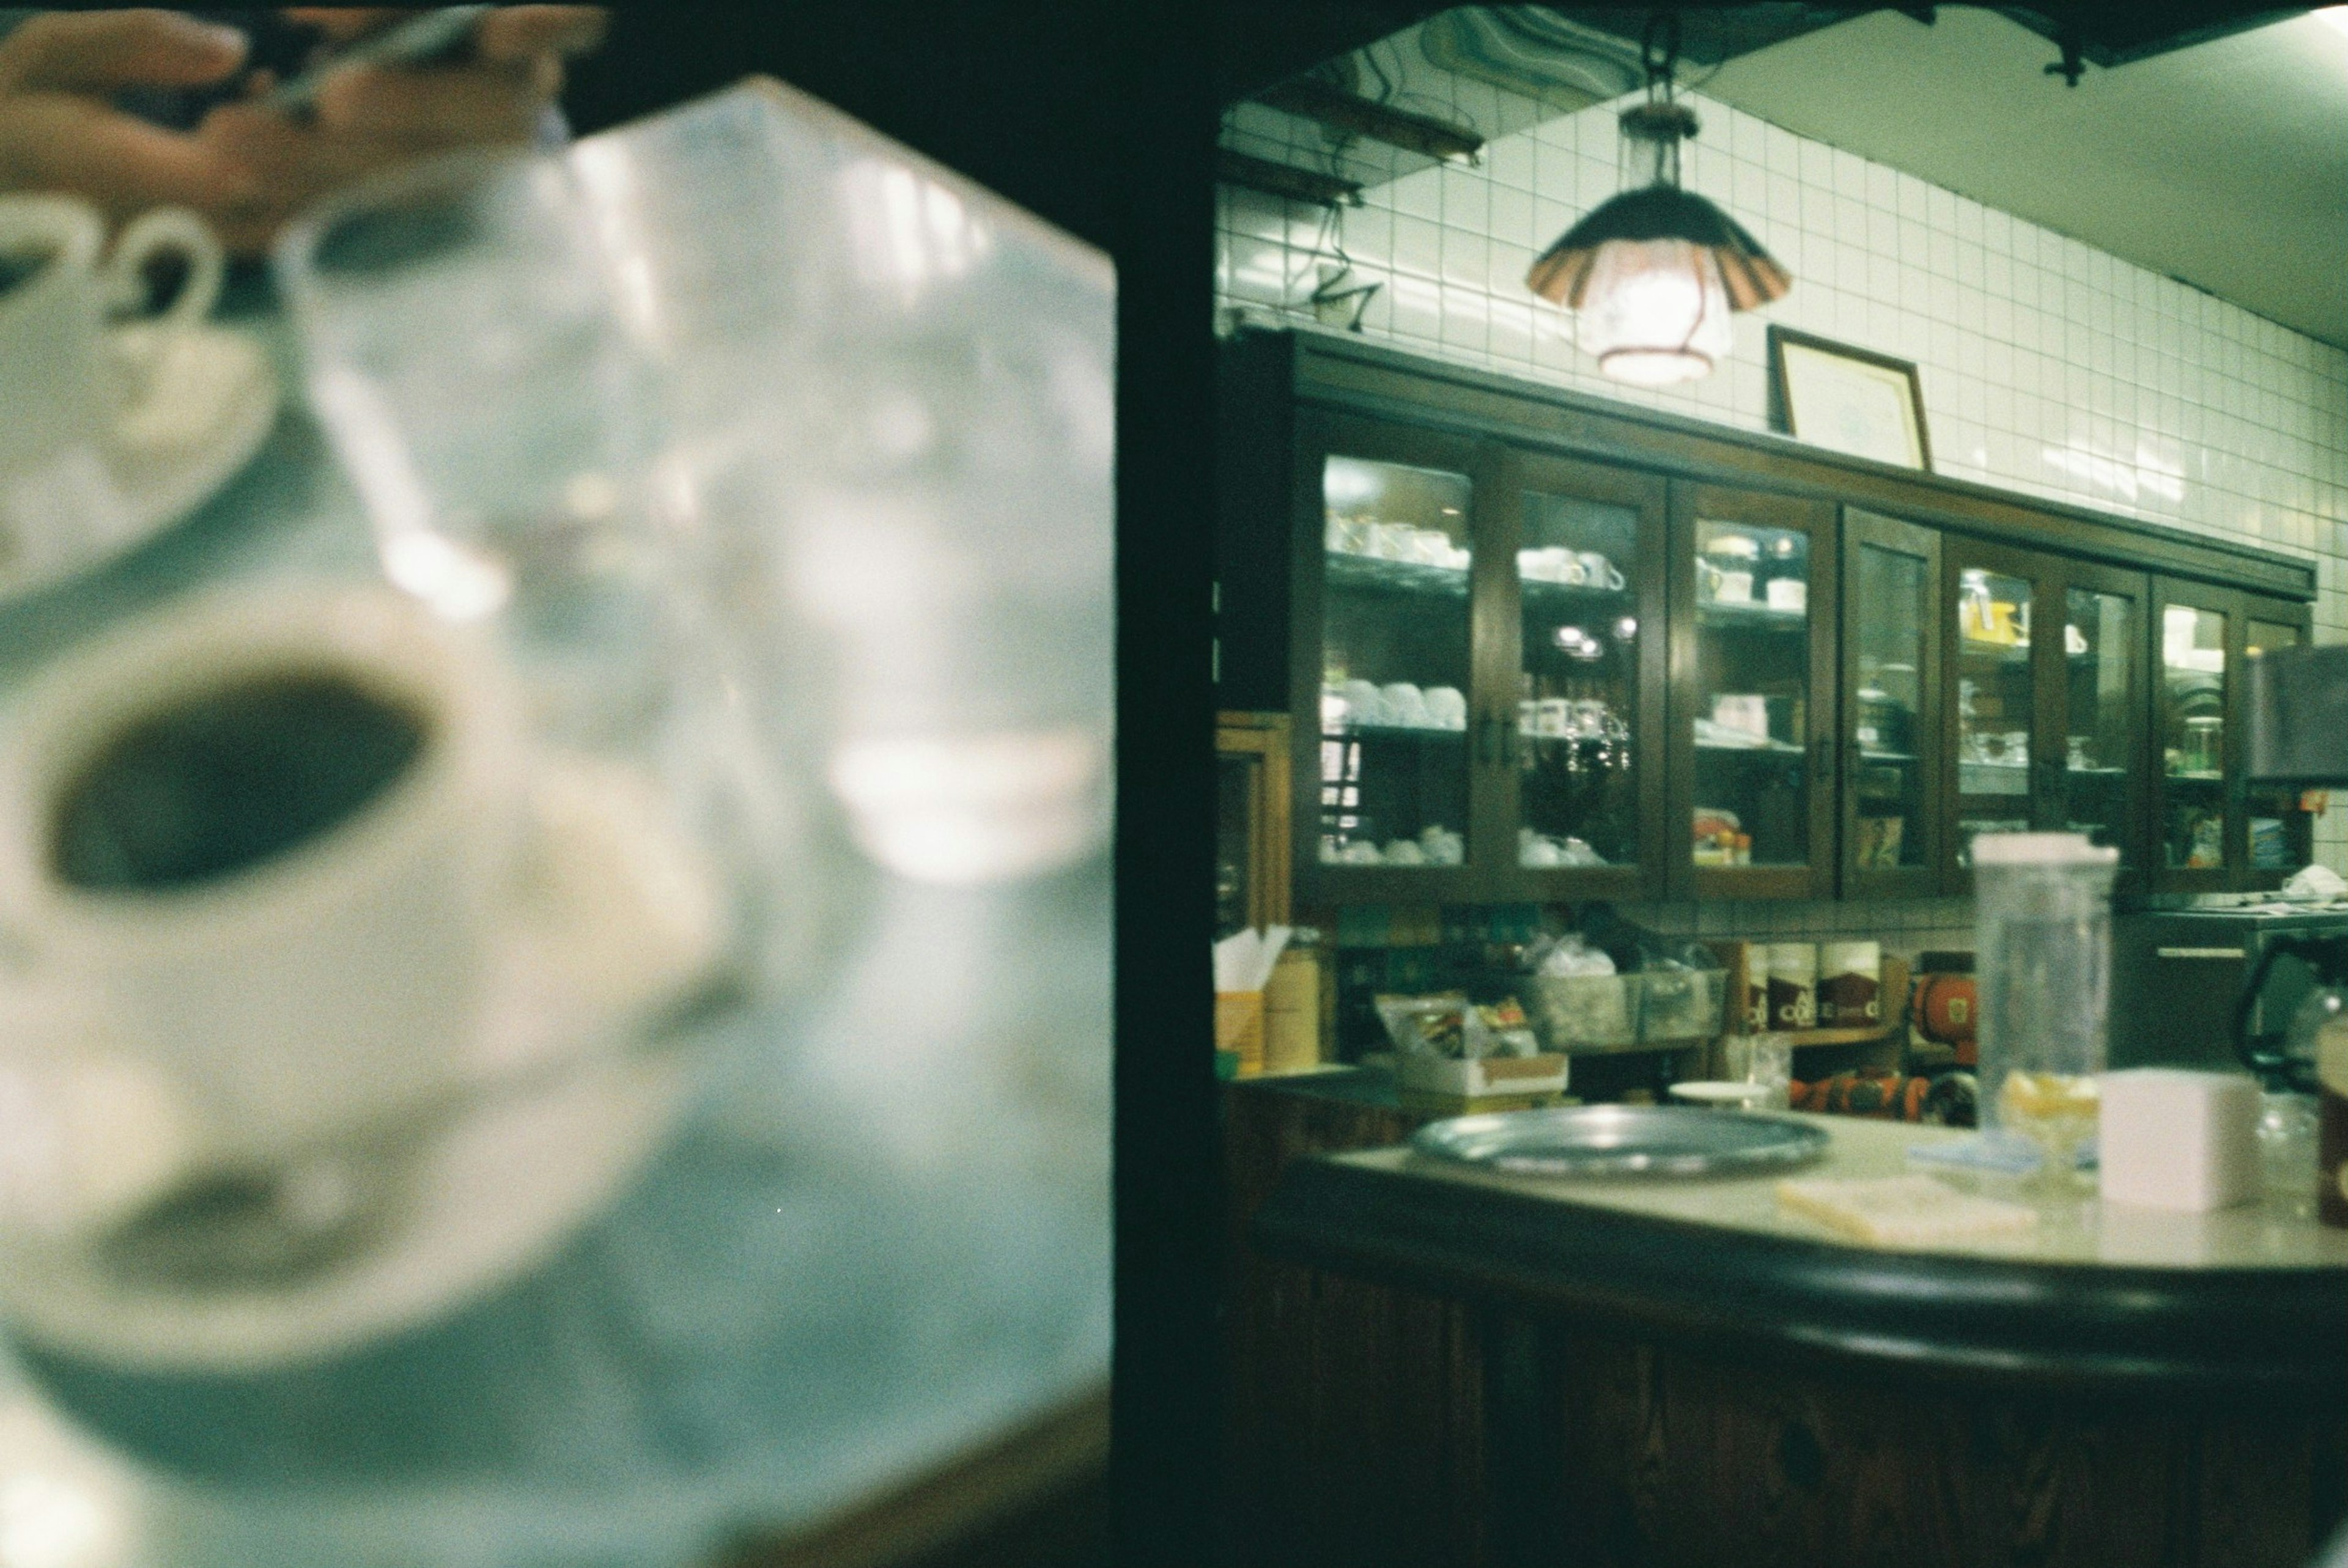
[[469, 355], [1764, 1058], [2043, 936]]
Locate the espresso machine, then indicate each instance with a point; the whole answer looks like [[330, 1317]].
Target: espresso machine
[[2298, 737]]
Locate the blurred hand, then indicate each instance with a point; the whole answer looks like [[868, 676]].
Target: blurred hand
[[371, 116], [60, 132], [248, 168]]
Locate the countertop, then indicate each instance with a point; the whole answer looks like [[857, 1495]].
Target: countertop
[[2249, 1298]]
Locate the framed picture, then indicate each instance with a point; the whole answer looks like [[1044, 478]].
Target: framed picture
[[1846, 399]]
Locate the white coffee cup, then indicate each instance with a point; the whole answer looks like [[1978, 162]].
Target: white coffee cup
[[335, 979], [1736, 587], [1405, 704], [62, 380], [1600, 572], [1447, 708], [1540, 852], [1789, 593], [1742, 711], [1364, 705]]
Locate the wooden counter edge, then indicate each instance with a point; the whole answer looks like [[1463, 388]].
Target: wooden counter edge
[[2270, 1334]]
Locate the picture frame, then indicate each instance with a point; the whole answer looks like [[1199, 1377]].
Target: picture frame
[[1848, 399]]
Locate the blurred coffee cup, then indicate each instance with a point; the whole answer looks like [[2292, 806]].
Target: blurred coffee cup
[[1599, 572], [263, 843], [64, 379], [1405, 706]]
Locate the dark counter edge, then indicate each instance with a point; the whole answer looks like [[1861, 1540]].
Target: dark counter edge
[[2276, 1335]]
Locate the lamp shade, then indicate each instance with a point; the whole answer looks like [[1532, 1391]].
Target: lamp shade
[[1749, 275]]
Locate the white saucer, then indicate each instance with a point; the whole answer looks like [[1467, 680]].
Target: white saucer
[[621, 896], [202, 409]]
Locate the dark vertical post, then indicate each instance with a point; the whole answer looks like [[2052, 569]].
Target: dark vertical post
[[1166, 1410]]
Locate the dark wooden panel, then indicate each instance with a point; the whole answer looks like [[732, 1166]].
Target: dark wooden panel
[[1355, 1411], [1680, 1460], [1253, 418]]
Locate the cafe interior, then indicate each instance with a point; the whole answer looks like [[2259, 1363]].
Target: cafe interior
[[601, 723], [1779, 921]]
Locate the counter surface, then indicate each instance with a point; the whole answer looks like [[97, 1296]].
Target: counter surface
[[2241, 1299]]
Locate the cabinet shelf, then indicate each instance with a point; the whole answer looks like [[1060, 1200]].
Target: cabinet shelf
[[1395, 732], [1581, 593], [1750, 617], [1774, 749], [1378, 574], [1993, 778]]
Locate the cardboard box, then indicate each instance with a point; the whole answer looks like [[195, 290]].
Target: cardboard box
[[1471, 1083]]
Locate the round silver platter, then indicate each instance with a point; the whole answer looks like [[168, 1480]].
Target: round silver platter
[[1623, 1141]]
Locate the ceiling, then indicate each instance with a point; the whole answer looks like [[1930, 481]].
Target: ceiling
[[2219, 159], [2224, 164]]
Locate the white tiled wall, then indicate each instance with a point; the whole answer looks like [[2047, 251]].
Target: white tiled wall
[[2048, 367]]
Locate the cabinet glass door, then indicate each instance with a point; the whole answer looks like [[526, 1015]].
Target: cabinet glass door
[[1996, 719], [1395, 661], [2103, 715], [2192, 643], [1589, 654], [1755, 679], [2281, 836], [1891, 593]]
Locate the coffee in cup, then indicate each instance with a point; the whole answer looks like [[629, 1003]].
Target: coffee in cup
[[266, 843]]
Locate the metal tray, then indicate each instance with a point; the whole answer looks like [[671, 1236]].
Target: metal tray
[[1623, 1141]]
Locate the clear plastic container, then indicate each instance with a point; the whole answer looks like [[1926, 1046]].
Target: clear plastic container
[[2042, 964], [1583, 1012]]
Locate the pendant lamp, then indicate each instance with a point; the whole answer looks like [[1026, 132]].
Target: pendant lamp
[[1654, 274]]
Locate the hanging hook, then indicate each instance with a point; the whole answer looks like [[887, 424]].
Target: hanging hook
[[1659, 52], [2068, 68]]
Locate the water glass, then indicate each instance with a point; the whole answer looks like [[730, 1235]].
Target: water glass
[[1764, 1058], [2043, 965], [466, 349]]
